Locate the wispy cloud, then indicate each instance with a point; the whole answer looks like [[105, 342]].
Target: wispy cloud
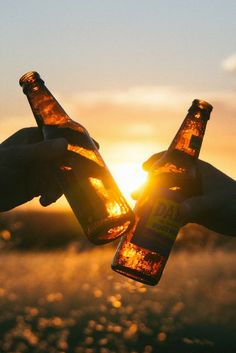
[[229, 64], [145, 119], [147, 111]]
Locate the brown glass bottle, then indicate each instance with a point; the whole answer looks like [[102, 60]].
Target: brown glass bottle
[[96, 201], [143, 252]]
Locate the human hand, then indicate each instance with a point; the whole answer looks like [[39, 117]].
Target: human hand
[[28, 165], [215, 208]]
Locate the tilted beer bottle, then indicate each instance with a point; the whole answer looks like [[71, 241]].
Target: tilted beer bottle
[[96, 200], [142, 254]]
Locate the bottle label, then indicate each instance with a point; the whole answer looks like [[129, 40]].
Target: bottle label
[[195, 142], [158, 224]]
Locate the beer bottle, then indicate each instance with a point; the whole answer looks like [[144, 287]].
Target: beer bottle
[[96, 200], [143, 252]]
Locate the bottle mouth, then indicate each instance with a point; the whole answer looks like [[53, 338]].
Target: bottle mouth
[[202, 105], [29, 78]]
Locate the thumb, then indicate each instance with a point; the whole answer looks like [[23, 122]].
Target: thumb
[[44, 151], [153, 159]]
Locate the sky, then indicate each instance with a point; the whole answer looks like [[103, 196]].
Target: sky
[[127, 70]]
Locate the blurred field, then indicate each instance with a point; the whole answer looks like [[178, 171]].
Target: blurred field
[[35, 230], [70, 301]]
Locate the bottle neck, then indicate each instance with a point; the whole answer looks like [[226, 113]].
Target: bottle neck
[[46, 109], [188, 139]]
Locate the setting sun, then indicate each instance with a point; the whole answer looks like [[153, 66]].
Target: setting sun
[[129, 177]]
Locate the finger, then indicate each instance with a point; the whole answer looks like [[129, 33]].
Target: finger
[[24, 137], [135, 194], [138, 192], [154, 158], [41, 181], [41, 152], [50, 196]]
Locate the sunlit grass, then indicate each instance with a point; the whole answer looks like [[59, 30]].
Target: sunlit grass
[[68, 302]]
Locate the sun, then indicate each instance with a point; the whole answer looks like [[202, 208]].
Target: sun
[[129, 177]]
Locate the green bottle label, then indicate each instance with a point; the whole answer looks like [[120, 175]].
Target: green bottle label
[[158, 223], [164, 217]]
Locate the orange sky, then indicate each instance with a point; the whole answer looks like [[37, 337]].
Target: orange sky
[[132, 124], [128, 71]]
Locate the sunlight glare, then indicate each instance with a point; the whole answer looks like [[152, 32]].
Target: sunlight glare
[[129, 177]]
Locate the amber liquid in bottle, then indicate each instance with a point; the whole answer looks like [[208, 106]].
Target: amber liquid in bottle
[[142, 254], [95, 199]]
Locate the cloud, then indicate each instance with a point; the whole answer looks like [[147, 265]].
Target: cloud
[[229, 64], [146, 111], [134, 112]]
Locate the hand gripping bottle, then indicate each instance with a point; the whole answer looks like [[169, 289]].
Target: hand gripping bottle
[[143, 252], [95, 199]]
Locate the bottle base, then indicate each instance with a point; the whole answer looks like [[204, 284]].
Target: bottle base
[[108, 232], [135, 275]]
